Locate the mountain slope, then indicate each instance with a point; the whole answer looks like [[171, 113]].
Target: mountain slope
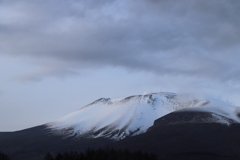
[[169, 137], [34, 143], [172, 135]]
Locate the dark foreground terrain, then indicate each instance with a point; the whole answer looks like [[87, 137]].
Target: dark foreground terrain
[[171, 138]]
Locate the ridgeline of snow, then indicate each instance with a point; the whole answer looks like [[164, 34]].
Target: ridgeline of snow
[[122, 117]]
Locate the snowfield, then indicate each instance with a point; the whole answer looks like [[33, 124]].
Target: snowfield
[[121, 117]]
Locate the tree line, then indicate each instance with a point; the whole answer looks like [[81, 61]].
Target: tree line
[[101, 154], [3, 156]]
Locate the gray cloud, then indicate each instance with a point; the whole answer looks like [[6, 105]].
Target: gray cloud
[[190, 38], [38, 75]]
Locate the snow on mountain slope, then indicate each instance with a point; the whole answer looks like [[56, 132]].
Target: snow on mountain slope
[[221, 112], [122, 117]]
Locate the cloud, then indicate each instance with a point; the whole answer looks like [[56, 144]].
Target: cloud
[[166, 37], [38, 75]]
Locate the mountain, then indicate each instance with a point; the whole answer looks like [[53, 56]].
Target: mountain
[[166, 124], [122, 117]]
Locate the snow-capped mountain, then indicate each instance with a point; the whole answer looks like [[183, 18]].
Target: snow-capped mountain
[[122, 117], [166, 124]]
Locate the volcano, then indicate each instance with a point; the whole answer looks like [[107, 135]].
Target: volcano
[[166, 124]]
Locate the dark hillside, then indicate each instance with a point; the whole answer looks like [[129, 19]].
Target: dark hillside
[[171, 138], [36, 142]]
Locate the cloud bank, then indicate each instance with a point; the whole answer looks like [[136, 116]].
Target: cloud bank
[[166, 37]]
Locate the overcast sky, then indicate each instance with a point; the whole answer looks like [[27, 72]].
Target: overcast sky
[[59, 55]]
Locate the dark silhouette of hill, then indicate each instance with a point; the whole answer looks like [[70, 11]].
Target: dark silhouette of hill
[[171, 137], [34, 143]]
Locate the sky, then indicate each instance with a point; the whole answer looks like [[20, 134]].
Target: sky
[[59, 55]]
